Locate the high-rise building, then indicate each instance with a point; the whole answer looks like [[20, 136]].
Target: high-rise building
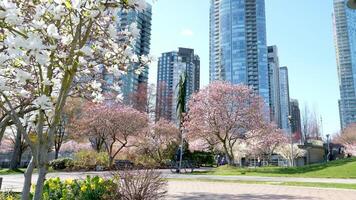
[[238, 49], [344, 18], [131, 81], [273, 81], [295, 122], [284, 98], [171, 66]]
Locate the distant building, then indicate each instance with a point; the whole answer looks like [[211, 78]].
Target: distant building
[[296, 123], [273, 81], [171, 66], [344, 19], [131, 81], [284, 98], [238, 49]]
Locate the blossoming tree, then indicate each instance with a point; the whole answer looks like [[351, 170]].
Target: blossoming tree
[[348, 139], [266, 142], [158, 138], [118, 126], [222, 114], [50, 50]]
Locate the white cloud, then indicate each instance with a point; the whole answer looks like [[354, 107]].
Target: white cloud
[[187, 32]]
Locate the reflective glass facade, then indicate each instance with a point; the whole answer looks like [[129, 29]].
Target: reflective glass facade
[[274, 91], [284, 95], [345, 45], [171, 65], [131, 81], [238, 50]]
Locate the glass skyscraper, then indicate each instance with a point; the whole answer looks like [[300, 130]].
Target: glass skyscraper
[[238, 50], [274, 91], [344, 19], [171, 65], [131, 81], [285, 100]]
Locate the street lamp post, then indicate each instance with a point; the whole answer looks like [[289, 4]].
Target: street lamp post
[[291, 139]]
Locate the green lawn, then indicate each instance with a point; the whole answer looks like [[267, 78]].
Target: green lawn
[[336, 169], [7, 171]]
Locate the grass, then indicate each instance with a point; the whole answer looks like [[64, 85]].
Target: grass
[[345, 168], [6, 171], [297, 184]]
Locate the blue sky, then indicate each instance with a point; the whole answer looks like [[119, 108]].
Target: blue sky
[[301, 29]]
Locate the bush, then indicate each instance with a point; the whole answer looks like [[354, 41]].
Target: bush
[[61, 163], [125, 185], [202, 158], [95, 188], [140, 185], [88, 159], [9, 196]]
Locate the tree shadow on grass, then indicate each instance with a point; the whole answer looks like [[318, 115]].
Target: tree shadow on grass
[[207, 196], [281, 170], [306, 169]]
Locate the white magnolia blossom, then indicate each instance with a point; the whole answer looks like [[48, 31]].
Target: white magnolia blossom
[[43, 102], [52, 31], [141, 4], [22, 76], [52, 49]]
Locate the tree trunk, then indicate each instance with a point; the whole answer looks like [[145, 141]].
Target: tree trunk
[[42, 171], [56, 152], [230, 159], [28, 178], [2, 131], [16, 156], [111, 162]]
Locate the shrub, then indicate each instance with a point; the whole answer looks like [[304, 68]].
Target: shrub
[[140, 185], [89, 159], [95, 188], [202, 158], [61, 163], [9, 196]]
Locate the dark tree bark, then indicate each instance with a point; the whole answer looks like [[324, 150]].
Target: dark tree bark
[[17, 152]]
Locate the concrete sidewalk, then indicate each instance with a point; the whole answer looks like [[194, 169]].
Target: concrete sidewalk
[[225, 191], [14, 182], [262, 179]]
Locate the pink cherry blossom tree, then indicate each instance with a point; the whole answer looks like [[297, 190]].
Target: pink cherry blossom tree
[[266, 142], [222, 114], [348, 139], [118, 126], [157, 138], [53, 49]]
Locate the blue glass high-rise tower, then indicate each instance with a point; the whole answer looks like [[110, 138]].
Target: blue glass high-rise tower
[[238, 49], [131, 81], [345, 43]]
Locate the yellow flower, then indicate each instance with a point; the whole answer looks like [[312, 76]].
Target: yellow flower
[[52, 185], [92, 186], [83, 188], [69, 181], [10, 198], [101, 180]]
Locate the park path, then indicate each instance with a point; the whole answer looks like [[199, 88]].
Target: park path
[[180, 190], [220, 190]]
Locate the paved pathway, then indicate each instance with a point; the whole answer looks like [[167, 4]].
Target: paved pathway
[[219, 190], [226, 191]]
